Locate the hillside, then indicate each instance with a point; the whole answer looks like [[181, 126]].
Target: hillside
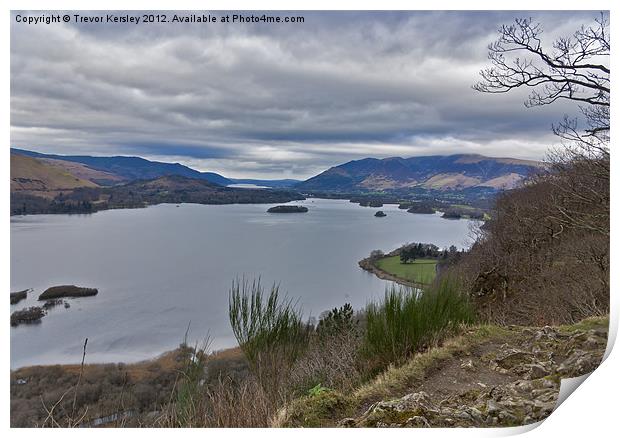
[[32, 175], [130, 168], [180, 189], [107, 171], [490, 376], [173, 189], [437, 172], [82, 171]]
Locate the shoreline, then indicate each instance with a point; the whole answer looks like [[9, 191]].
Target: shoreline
[[138, 364], [367, 265]]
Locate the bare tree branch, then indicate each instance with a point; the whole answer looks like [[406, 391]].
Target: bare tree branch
[[575, 68]]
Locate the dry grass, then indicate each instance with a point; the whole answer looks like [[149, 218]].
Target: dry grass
[[106, 389], [223, 404], [330, 361]]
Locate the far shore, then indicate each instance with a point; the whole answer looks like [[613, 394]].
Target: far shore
[[134, 367]]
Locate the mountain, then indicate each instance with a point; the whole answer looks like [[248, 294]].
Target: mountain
[[129, 168], [436, 172], [30, 174], [108, 171], [47, 183]]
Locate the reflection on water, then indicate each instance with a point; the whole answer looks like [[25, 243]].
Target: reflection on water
[[163, 268]]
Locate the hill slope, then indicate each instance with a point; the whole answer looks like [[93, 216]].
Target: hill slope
[[166, 189], [107, 171], [31, 174], [489, 376], [130, 168], [439, 172]]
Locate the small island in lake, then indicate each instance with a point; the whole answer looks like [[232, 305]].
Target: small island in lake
[[421, 208], [288, 209], [16, 297], [27, 316], [380, 214], [67, 291]]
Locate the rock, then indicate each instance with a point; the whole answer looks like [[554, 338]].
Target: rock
[[546, 383], [492, 407], [524, 385], [417, 421], [546, 333], [380, 214], [531, 371], [593, 342], [470, 413], [347, 422], [418, 403], [537, 371], [506, 416], [579, 363], [516, 357], [468, 365], [476, 414]]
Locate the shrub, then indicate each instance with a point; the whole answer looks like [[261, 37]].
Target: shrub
[[336, 321], [190, 383], [409, 320], [269, 329], [528, 266], [332, 357], [223, 403]]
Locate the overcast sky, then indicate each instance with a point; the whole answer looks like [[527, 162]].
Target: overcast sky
[[274, 100]]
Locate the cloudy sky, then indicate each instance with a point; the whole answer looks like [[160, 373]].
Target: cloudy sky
[[274, 100]]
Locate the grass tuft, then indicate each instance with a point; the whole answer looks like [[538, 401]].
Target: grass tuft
[[268, 328], [410, 320]]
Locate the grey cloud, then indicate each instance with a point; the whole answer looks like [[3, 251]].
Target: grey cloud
[[274, 100]]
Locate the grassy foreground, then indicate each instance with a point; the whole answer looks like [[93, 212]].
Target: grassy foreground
[[484, 375], [419, 271]]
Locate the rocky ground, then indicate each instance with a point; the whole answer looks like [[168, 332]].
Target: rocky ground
[[487, 377]]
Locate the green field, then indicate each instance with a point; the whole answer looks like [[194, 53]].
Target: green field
[[419, 271]]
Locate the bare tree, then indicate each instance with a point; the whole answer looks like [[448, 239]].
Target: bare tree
[[576, 68], [544, 256]]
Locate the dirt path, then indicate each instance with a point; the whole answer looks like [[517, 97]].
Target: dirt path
[[488, 376], [509, 380]]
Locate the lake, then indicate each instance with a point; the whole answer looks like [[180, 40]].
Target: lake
[[162, 269]]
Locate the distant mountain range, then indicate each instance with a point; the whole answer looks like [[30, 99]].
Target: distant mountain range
[[107, 171], [45, 175], [436, 172]]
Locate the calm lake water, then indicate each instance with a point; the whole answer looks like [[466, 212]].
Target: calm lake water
[[162, 268]]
